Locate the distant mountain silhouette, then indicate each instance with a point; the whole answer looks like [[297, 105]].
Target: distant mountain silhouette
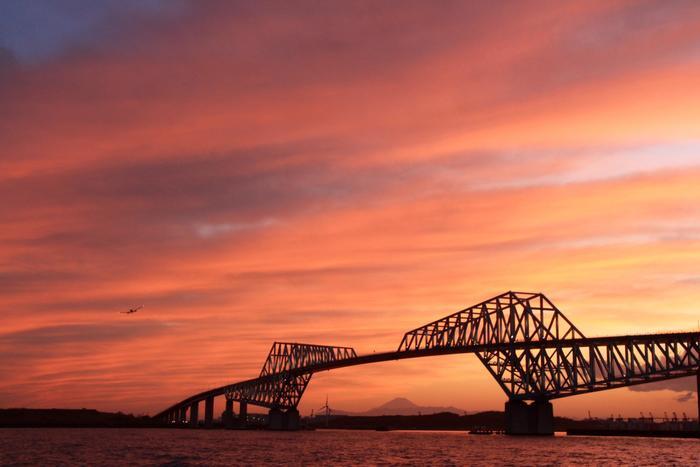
[[401, 406]]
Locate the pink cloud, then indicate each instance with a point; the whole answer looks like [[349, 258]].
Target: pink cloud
[[338, 174]]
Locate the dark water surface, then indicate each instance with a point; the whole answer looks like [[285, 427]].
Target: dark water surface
[[175, 447]]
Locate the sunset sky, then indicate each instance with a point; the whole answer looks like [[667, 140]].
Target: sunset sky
[[336, 173]]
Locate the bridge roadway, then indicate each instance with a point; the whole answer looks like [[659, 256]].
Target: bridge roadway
[[532, 350], [432, 352]]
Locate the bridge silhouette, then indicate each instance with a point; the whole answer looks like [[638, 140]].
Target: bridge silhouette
[[525, 342]]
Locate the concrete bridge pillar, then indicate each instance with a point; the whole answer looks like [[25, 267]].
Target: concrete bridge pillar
[[243, 413], [276, 419], [209, 412], [285, 421], [194, 414], [293, 419], [227, 417], [183, 416], [536, 418]]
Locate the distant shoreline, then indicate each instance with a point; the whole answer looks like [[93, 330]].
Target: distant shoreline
[[72, 418], [24, 418]]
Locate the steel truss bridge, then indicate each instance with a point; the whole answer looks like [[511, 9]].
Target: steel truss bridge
[[525, 342]]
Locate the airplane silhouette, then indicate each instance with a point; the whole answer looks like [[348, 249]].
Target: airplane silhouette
[[132, 310]]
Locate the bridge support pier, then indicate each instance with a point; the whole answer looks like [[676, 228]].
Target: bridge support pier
[[536, 418], [275, 419], [243, 414], [194, 415], [283, 421], [227, 417], [183, 416], [293, 419], [209, 412]]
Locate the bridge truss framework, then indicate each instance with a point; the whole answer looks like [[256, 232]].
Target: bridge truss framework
[[525, 342]]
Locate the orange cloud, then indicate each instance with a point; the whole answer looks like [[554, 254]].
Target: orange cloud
[[340, 175]]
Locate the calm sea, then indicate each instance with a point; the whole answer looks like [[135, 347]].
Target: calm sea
[[173, 447]]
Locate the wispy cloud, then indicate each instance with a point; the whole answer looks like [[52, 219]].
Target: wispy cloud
[[223, 228], [685, 385], [336, 173]]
